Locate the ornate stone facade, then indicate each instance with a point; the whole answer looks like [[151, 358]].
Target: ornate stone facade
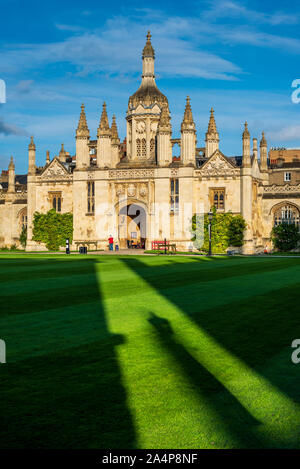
[[138, 192]]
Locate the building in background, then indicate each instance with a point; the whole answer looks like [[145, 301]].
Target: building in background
[[138, 192]]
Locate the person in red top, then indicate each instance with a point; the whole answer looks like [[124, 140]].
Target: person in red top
[[111, 243]]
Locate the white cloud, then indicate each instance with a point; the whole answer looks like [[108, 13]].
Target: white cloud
[[288, 133], [115, 50], [237, 10]]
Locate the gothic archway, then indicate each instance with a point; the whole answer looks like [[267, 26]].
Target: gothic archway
[[286, 212], [132, 226]]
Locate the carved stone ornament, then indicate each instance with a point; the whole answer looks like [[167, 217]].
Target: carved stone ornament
[[119, 189], [131, 190], [287, 188], [131, 173], [143, 190], [56, 172], [217, 166]]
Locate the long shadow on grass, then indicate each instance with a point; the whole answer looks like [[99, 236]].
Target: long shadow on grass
[[71, 397], [257, 329], [237, 423]]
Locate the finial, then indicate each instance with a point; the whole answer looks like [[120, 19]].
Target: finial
[[212, 128], [82, 128], [11, 165], [114, 129], [31, 144], [263, 142], [164, 123], [188, 121], [246, 133], [148, 50], [103, 128]]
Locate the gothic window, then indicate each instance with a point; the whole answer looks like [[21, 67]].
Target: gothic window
[[286, 214], [174, 195], [217, 198], [138, 148], [55, 200], [23, 219], [144, 151], [91, 197]]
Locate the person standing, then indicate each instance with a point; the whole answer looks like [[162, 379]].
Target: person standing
[[111, 243]]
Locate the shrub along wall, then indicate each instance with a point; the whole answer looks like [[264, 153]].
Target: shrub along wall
[[53, 229], [226, 230]]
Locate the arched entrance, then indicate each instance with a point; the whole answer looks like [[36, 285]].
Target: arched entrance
[[286, 213], [132, 226]]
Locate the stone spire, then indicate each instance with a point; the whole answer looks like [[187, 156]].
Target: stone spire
[[254, 147], [114, 131], [11, 176], [31, 157], [188, 137], [47, 157], [148, 50], [62, 154], [188, 121], [164, 133], [246, 147], [11, 165], [82, 129], [263, 142], [82, 141], [263, 153], [246, 133], [103, 129], [211, 136], [31, 145], [164, 124], [212, 128], [115, 142], [104, 146]]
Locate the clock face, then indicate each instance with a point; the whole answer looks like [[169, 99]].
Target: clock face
[[140, 127]]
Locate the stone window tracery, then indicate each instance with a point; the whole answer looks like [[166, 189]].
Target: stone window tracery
[[286, 214], [217, 198], [91, 197], [144, 148], [138, 148], [55, 201]]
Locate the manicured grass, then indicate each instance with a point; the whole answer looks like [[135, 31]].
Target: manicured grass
[[149, 352]]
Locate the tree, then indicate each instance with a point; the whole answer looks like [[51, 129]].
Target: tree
[[236, 230], [285, 236], [52, 228], [226, 230]]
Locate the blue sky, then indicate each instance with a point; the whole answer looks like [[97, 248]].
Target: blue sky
[[238, 56]]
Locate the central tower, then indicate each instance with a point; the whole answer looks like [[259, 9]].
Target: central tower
[[143, 113]]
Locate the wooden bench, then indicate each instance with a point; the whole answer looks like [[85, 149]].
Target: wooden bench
[[163, 245]]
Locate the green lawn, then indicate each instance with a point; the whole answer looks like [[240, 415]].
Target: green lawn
[[149, 352]]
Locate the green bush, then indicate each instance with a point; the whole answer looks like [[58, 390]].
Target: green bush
[[53, 229], [226, 230], [236, 230], [285, 237]]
